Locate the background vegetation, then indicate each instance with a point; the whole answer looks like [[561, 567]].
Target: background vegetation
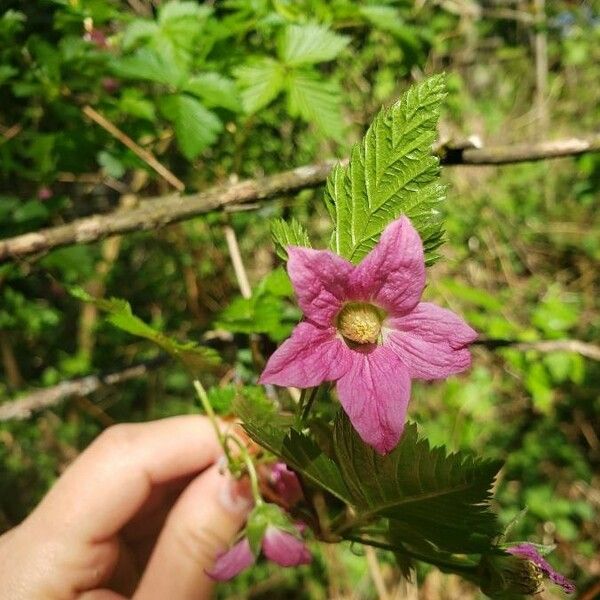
[[220, 91]]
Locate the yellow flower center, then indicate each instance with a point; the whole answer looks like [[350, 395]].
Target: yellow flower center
[[360, 323]]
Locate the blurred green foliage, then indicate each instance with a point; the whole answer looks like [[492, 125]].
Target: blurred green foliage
[[241, 88]]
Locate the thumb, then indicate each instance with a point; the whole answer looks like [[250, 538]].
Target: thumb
[[201, 525]]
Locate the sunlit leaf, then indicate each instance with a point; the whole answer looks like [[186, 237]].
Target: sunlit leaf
[[288, 234], [196, 127], [392, 171], [196, 358], [310, 44]]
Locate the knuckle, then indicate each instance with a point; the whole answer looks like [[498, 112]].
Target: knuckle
[[117, 438]]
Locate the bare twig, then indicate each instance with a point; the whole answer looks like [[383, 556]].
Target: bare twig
[[376, 574], [24, 407], [237, 262], [584, 348], [146, 156], [10, 132], [158, 212]]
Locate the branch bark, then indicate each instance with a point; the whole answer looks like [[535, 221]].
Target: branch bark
[[23, 408], [158, 212]]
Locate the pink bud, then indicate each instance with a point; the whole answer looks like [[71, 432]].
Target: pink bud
[[284, 548]]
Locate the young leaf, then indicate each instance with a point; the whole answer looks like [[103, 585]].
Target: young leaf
[[430, 495], [310, 44], [214, 90], [195, 358], [288, 234], [391, 172], [195, 126], [261, 81], [317, 101]]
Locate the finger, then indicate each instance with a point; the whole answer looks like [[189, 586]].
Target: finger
[[202, 523], [106, 486]]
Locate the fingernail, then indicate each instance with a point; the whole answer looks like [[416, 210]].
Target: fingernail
[[236, 495]]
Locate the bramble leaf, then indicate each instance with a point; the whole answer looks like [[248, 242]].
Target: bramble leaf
[[273, 430], [196, 127], [391, 172], [215, 90], [310, 44], [430, 495], [288, 234], [261, 81], [196, 358], [316, 101], [265, 311]]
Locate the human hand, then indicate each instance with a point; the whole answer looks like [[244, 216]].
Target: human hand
[[141, 513]]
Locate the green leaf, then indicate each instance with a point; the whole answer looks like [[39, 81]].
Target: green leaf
[[317, 101], [112, 166], [261, 81], [391, 172], [288, 234], [273, 431], [148, 64], [310, 44], [137, 31], [133, 103], [196, 127], [196, 358], [265, 312], [215, 91], [430, 495], [182, 22]]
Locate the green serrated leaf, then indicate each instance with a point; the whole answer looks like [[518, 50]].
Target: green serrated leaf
[[430, 495], [137, 31], [196, 127], [214, 90], [274, 431], [260, 81], [310, 44], [196, 358], [288, 234], [391, 172], [317, 101], [148, 64]]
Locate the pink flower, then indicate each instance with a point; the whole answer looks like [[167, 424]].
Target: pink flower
[[286, 484], [366, 329], [529, 553], [277, 545]]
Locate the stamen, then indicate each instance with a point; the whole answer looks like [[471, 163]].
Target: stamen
[[360, 323]]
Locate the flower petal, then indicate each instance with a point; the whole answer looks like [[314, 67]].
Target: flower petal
[[232, 562], [320, 278], [375, 394], [286, 484], [431, 341], [393, 273], [309, 357], [529, 552], [284, 548]]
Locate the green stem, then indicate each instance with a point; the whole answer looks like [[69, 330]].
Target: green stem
[[308, 399], [455, 567], [250, 468], [210, 413], [225, 439]]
